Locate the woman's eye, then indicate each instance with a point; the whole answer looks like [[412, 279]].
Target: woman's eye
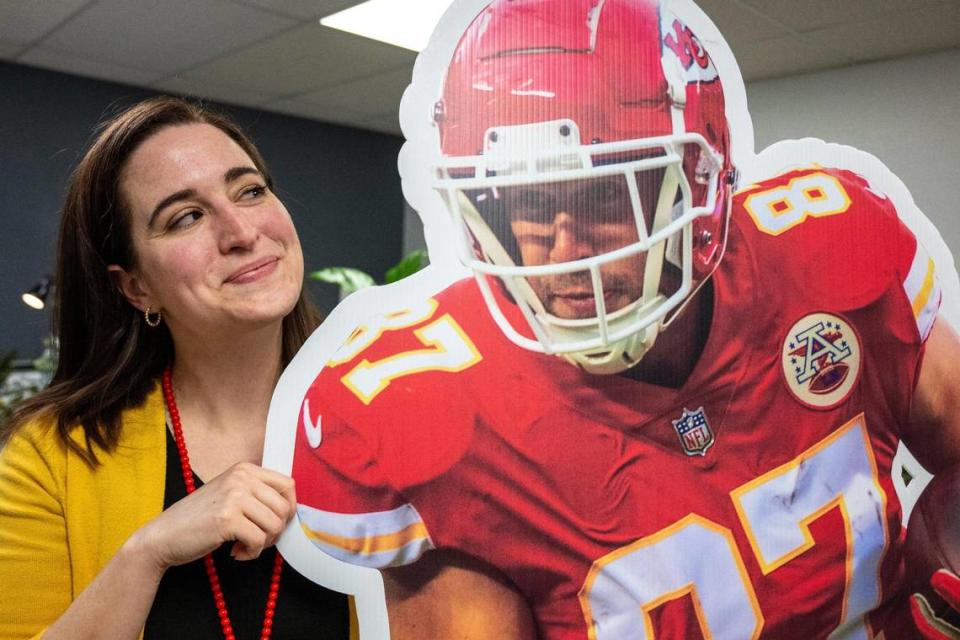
[[186, 220], [254, 191]]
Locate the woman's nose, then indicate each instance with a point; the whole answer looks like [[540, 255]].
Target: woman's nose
[[237, 228]]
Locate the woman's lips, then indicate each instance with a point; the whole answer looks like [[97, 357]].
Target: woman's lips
[[254, 271]]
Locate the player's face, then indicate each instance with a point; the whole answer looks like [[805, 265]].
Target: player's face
[[567, 221], [215, 248]]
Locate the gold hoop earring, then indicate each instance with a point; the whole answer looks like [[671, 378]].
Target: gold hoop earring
[[153, 320]]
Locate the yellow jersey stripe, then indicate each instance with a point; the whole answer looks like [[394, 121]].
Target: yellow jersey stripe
[[923, 297], [369, 545]]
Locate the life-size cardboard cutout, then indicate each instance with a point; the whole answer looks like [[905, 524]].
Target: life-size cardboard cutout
[[525, 401]]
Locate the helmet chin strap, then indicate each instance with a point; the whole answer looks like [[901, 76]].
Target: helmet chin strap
[[625, 353], [622, 355]]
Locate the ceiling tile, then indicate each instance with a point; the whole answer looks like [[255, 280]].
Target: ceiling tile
[[738, 22], [302, 9], [303, 59], [25, 21], [164, 36], [273, 53], [370, 96], [313, 111], [784, 56], [893, 35], [70, 63], [211, 91], [810, 15]]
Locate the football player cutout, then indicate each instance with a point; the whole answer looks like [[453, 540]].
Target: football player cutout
[[667, 402]]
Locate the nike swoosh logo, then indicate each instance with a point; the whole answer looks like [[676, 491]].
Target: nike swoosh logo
[[313, 431]]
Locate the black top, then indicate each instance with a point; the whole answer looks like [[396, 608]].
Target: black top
[[184, 610]]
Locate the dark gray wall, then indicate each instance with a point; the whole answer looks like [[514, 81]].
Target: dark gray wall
[[340, 185]]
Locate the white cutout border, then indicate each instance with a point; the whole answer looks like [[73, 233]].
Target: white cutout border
[[421, 151]]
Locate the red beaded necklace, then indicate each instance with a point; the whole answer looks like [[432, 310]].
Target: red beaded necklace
[[208, 559]]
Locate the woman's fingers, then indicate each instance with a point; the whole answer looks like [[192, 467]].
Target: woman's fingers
[[277, 502], [251, 541], [282, 499], [266, 519], [283, 485], [264, 515], [246, 504], [257, 507]]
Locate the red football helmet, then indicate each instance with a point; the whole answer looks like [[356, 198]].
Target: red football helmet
[[610, 107]]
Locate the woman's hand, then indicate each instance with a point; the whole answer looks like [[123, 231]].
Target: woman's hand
[[246, 503]]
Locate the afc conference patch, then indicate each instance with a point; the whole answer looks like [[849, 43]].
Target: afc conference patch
[[694, 432], [821, 360]]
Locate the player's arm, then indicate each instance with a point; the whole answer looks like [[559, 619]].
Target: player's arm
[[933, 436], [449, 595], [933, 431], [350, 510]]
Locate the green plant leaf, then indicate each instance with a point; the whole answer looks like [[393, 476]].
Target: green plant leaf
[[347, 278], [13, 393], [47, 362], [6, 366], [7, 399], [412, 263]]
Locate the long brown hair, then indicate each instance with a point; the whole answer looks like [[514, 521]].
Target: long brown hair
[[109, 360]]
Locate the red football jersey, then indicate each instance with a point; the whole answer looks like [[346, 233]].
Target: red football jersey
[[754, 501]]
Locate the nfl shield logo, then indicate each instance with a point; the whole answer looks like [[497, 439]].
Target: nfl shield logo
[[694, 432]]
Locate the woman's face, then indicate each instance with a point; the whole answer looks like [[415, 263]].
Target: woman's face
[[215, 249]]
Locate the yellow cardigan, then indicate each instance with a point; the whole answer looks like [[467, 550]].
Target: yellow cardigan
[[61, 521]]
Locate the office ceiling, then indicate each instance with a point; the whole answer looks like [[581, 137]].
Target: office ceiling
[[274, 54]]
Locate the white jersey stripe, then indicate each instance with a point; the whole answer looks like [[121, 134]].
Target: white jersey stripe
[[923, 290], [378, 539]]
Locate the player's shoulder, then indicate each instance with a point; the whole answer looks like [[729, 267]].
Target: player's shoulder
[[805, 201], [408, 367], [825, 230], [399, 333]]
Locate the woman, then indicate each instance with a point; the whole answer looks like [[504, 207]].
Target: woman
[[176, 262]]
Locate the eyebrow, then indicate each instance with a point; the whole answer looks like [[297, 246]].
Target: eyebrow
[[184, 194]]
